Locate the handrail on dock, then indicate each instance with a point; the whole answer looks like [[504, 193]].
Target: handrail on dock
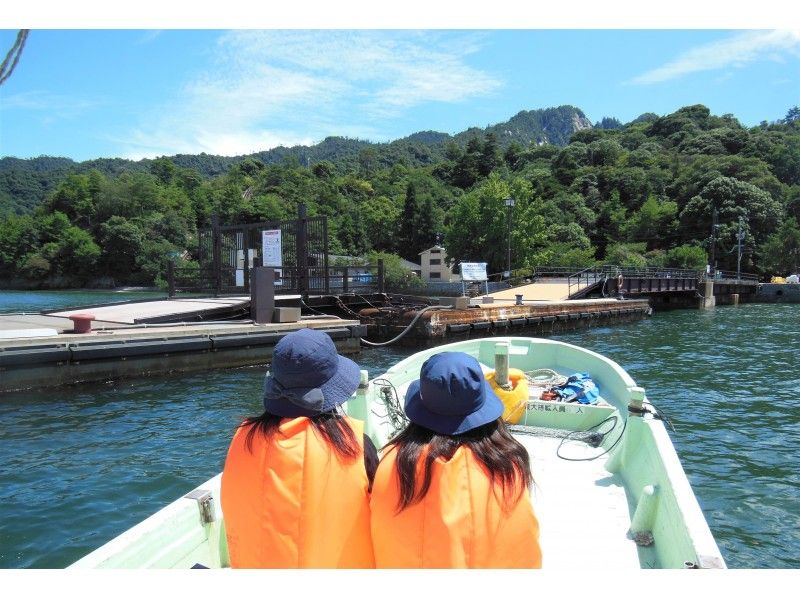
[[326, 280]]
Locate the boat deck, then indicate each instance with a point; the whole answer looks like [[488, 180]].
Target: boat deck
[[583, 510]]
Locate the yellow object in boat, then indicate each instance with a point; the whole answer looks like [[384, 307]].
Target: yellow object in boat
[[514, 399]]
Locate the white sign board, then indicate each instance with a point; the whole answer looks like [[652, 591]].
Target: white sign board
[[473, 271], [271, 251]]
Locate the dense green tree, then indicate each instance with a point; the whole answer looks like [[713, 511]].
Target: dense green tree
[[734, 201], [75, 198], [793, 115], [686, 257], [466, 170], [122, 242], [163, 169], [479, 226], [406, 234], [655, 223], [780, 253], [626, 255], [488, 159], [513, 155]]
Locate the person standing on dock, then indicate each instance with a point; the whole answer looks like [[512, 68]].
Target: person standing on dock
[[296, 481], [452, 489]]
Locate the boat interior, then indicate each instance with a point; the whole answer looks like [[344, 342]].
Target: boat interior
[[609, 491]]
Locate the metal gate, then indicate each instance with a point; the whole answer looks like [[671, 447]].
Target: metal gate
[[228, 253]]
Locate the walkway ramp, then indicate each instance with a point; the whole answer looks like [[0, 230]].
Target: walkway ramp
[[166, 310], [537, 291]]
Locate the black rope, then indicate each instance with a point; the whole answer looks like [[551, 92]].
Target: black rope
[[367, 301], [656, 415], [316, 311], [407, 329], [13, 55], [346, 309], [595, 441]]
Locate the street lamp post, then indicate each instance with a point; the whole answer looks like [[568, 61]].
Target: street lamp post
[[509, 201]]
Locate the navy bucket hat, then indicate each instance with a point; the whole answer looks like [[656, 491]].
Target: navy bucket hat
[[307, 376], [452, 396]]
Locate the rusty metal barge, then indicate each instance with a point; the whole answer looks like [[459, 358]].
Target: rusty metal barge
[[535, 319]]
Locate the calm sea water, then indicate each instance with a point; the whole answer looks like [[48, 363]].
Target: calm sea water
[[36, 301], [78, 466]]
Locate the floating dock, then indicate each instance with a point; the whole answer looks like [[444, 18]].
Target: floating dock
[[182, 335], [40, 350]]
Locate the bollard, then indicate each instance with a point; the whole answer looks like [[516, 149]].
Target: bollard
[[262, 295], [501, 351], [81, 323]]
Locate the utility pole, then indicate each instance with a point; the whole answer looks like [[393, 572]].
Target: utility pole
[[739, 239], [509, 201], [714, 242]]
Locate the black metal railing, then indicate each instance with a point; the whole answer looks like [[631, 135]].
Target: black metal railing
[[589, 277], [312, 280], [729, 275]]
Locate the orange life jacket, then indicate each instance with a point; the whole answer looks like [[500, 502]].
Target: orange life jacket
[[460, 523], [292, 502]]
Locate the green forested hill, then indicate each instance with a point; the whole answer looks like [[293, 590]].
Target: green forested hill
[[25, 183], [638, 194]]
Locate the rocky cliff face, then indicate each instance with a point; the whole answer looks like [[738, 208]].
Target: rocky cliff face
[[547, 125]]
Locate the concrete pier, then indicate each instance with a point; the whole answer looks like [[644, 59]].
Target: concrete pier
[[708, 299]]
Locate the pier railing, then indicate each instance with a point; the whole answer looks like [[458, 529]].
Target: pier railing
[[728, 275], [312, 280], [590, 277]]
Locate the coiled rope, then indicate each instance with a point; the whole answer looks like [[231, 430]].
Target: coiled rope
[[395, 413], [545, 377]]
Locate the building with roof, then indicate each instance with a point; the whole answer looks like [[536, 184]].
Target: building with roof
[[433, 265]]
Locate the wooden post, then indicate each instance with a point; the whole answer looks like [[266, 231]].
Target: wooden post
[[216, 241], [302, 249], [381, 274], [246, 265], [325, 255]]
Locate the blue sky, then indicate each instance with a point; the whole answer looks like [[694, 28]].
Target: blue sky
[[134, 93]]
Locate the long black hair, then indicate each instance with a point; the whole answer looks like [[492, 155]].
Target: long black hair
[[331, 426], [504, 459]]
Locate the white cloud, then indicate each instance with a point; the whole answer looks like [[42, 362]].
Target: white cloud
[[42, 101], [736, 51], [267, 88]]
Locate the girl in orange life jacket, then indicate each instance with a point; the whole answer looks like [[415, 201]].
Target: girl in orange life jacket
[[296, 480], [451, 489]]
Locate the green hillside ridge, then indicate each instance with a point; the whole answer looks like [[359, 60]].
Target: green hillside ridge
[[25, 183], [639, 194]]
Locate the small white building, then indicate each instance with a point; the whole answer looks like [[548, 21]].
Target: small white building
[[433, 262]]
